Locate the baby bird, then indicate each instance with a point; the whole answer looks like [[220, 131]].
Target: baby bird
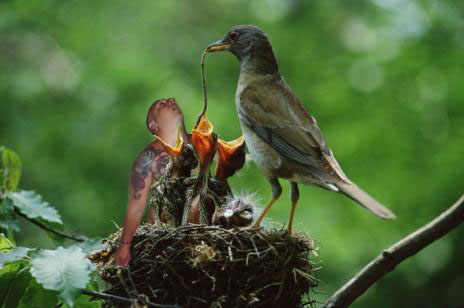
[[231, 158], [237, 212], [204, 141], [167, 196]]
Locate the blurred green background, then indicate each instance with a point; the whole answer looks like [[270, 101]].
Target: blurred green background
[[384, 79]]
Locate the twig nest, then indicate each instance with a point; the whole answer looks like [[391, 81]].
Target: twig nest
[[209, 266]]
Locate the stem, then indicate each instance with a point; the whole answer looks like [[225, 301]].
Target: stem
[[116, 298], [50, 229], [203, 83], [391, 257]]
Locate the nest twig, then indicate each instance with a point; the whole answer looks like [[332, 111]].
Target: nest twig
[[208, 266]]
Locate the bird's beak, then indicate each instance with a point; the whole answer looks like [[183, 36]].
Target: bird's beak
[[227, 149], [173, 151], [231, 157], [218, 46], [205, 142]]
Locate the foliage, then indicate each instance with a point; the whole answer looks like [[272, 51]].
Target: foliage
[[65, 270], [27, 274]]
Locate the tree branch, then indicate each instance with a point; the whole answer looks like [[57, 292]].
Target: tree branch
[[121, 299], [50, 229], [389, 258]]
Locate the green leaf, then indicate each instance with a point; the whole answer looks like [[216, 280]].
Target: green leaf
[[5, 243], [14, 254], [8, 219], [65, 270], [11, 168], [83, 301], [57, 239], [36, 296], [8, 275], [31, 204], [18, 287]]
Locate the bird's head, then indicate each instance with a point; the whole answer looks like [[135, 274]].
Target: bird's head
[[231, 157], [204, 140], [237, 212], [182, 157], [251, 46]]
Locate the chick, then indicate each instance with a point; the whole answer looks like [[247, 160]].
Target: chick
[[167, 195], [237, 212]]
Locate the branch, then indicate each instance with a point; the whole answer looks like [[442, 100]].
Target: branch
[[389, 258], [116, 298], [50, 229], [106, 296]]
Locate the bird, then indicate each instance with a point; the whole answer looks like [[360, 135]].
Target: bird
[[204, 141], [236, 212], [283, 139], [167, 195], [231, 158]]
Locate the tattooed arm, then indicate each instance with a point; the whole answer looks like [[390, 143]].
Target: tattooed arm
[[147, 168]]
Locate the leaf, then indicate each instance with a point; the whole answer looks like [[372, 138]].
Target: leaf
[[7, 277], [5, 243], [65, 270], [8, 219], [18, 287], [36, 296], [91, 244], [31, 204], [57, 239], [11, 168], [14, 254]]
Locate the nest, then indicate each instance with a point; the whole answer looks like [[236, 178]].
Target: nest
[[209, 266]]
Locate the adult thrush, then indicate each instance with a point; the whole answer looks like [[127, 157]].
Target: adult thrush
[[284, 140]]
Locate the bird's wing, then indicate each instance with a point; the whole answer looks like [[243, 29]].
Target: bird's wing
[[275, 114]]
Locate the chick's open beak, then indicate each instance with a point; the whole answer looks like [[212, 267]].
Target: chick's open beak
[[229, 149], [173, 151], [231, 157], [204, 139], [218, 46]]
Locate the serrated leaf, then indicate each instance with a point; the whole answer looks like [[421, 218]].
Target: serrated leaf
[[65, 270], [31, 204], [37, 296], [11, 167], [14, 254]]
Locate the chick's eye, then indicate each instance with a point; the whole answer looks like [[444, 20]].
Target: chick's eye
[[233, 36]]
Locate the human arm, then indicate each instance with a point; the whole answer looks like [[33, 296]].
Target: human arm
[[146, 169]]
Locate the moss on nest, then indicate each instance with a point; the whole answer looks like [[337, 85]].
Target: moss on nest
[[208, 266]]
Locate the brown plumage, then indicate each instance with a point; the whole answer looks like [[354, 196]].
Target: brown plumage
[[284, 140]]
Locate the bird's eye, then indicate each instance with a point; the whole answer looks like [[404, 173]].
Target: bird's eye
[[233, 36]]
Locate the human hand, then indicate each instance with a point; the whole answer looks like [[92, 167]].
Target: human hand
[[122, 256]]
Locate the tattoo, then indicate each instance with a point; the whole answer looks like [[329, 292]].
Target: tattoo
[[143, 165], [161, 161]]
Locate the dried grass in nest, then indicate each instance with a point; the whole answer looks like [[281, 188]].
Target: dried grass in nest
[[208, 266]]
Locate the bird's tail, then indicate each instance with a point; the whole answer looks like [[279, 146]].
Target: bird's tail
[[352, 191]]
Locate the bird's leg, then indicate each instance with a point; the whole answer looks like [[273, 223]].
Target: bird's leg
[[276, 192], [295, 195]]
